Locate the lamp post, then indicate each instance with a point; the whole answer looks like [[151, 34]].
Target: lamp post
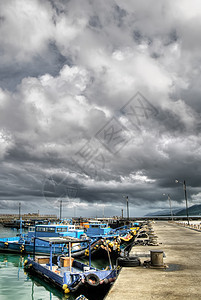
[[185, 195], [169, 199], [127, 206]]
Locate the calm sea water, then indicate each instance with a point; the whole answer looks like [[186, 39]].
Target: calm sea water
[[16, 284]]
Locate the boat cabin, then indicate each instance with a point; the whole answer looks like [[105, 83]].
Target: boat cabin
[[98, 229], [54, 230]]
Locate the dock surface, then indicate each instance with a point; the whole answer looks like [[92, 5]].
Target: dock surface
[[182, 280]]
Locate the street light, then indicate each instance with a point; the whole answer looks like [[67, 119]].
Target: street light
[[169, 199], [127, 206], [185, 195]]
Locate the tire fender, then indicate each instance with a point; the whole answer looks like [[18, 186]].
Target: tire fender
[[128, 262], [92, 279]]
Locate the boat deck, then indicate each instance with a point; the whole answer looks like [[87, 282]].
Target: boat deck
[[61, 270]]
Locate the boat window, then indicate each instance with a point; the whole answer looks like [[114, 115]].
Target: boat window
[[103, 226], [61, 229], [46, 229], [40, 228], [71, 227], [94, 226], [31, 229], [50, 229]]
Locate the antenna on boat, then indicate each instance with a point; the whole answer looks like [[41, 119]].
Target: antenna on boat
[[69, 253], [20, 218], [19, 210], [90, 254]]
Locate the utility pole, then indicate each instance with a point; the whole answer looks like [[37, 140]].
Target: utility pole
[[60, 210], [19, 210], [127, 208], [185, 195]]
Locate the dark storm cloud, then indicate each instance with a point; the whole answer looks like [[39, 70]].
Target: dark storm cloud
[[51, 62], [72, 126]]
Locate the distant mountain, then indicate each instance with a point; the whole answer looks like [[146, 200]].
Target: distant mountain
[[164, 212], [193, 210]]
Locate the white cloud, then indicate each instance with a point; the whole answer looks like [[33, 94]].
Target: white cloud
[[185, 10], [26, 28], [5, 142]]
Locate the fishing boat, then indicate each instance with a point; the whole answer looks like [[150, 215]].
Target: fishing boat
[[67, 273], [103, 239], [115, 241], [24, 243], [17, 223]]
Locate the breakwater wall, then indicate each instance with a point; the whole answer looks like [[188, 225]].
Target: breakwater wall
[[4, 218]]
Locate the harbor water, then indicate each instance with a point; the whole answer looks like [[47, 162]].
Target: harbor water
[[15, 283]]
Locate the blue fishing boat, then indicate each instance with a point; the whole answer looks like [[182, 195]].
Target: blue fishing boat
[[103, 240], [24, 243], [99, 230], [69, 274], [111, 241]]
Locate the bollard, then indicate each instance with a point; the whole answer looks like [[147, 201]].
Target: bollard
[[156, 258]]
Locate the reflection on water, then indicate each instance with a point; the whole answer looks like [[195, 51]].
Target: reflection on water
[[15, 283]]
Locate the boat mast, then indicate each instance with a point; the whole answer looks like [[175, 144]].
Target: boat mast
[[69, 249]]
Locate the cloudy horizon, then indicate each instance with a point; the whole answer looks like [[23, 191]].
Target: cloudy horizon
[[99, 102]]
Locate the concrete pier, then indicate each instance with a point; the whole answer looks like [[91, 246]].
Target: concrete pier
[[181, 280]]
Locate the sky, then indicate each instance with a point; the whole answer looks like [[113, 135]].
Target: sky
[[99, 101]]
